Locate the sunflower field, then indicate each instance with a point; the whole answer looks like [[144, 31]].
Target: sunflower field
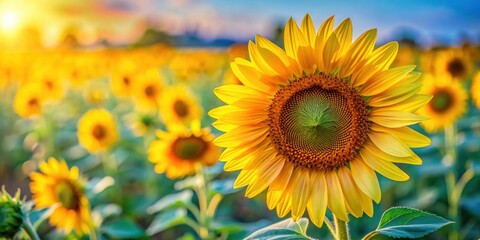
[[316, 131]]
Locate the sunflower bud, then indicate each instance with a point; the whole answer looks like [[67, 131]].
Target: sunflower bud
[[11, 214]]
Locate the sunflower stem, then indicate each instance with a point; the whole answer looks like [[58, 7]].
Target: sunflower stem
[[451, 179], [329, 226], [27, 226], [341, 229], [202, 194]]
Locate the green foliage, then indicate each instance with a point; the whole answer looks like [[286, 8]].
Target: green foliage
[[123, 228], [167, 220], [404, 222], [286, 229]]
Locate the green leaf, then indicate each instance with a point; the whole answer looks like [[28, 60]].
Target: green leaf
[[167, 220], [226, 226], [122, 229], [172, 200], [108, 210], [405, 222], [286, 229], [224, 186]]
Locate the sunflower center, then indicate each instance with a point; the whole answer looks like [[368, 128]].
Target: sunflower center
[[181, 108], [99, 132], [49, 84], [150, 91], [126, 81], [318, 122], [67, 195], [33, 102], [456, 67], [189, 148], [441, 101]]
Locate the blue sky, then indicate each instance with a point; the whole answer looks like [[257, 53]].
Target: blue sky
[[435, 21]]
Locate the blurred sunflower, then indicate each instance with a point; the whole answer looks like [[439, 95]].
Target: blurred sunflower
[[148, 90], [29, 100], [476, 89], [140, 123], [63, 189], [53, 87], [122, 78], [178, 105], [454, 62], [179, 150], [315, 122], [97, 130], [95, 92], [448, 104]]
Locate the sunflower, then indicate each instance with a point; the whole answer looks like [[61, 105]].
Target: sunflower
[[454, 62], [315, 122], [29, 100], [179, 150], [178, 105], [123, 78], [448, 104], [476, 89], [62, 188], [97, 130], [52, 86], [148, 90], [140, 123]]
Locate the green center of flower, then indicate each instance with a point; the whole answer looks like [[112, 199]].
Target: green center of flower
[[67, 195], [318, 122], [189, 148], [456, 67], [441, 101], [181, 108]]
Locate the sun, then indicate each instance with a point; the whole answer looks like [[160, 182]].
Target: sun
[[9, 20]]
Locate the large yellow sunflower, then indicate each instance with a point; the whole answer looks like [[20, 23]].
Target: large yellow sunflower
[[448, 104], [475, 90], [178, 105], [454, 62], [63, 189], [97, 130], [179, 151], [315, 122]]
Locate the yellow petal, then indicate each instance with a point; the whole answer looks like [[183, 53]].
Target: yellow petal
[[308, 30], [265, 176], [387, 169], [317, 205], [407, 135], [350, 191], [385, 80], [383, 56], [344, 35], [301, 194], [336, 199], [390, 144], [278, 186], [251, 77], [293, 38], [414, 159], [365, 179], [331, 54], [367, 205], [269, 45], [241, 134], [259, 61], [411, 104], [395, 95], [323, 33], [359, 50], [394, 119], [232, 93]]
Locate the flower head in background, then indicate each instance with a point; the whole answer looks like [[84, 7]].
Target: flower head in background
[[448, 104], [180, 150], [314, 122], [148, 89], [29, 100], [97, 130], [56, 186], [453, 62], [179, 105]]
